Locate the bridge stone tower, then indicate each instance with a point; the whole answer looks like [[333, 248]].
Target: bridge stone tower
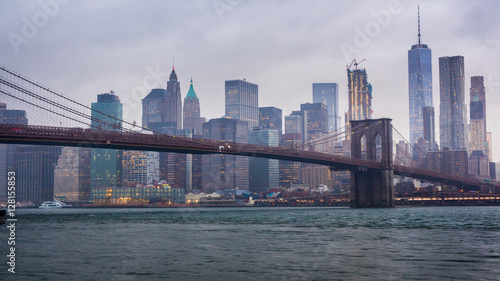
[[372, 188]]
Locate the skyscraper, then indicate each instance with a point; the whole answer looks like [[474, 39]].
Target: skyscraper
[[453, 110], [154, 112], [173, 101], [478, 130], [192, 119], [106, 164], [264, 173], [360, 97], [328, 94], [222, 171], [242, 102], [420, 85]]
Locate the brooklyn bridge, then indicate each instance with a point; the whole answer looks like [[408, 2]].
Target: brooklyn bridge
[[371, 180]]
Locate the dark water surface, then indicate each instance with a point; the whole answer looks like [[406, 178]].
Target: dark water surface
[[431, 243]]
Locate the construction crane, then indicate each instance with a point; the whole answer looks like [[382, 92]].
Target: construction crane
[[355, 63]]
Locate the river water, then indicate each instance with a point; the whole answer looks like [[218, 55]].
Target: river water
[[421, 243]]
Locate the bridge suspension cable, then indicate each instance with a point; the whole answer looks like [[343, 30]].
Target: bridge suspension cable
[[45, 99]]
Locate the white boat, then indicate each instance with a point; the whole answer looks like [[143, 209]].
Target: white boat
[[51, 205]]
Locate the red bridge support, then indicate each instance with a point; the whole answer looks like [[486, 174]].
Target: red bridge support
[[372, 188]]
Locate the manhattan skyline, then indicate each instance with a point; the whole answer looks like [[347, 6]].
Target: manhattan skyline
[[88, 48]]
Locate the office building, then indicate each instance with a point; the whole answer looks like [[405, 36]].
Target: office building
[[242, 102], [106, 164], [420, 85], [35, 167], [224, 171], [173, 101], [290, 172], [328, 94], [72, 175], [271, 117], [317, 118], [264, 173], [192, 119], [297, 123], [451, 162], [8, 151], [452, 114]]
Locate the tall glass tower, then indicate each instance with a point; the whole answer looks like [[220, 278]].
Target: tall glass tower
[[106, 164], [420, 85], [452, 109], [242, 102]]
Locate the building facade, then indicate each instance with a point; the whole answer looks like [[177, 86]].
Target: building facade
[[452, 113], [242, 102]]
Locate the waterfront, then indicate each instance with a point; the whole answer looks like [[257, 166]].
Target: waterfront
[[459, 243]]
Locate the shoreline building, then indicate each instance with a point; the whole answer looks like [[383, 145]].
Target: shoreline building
[[420, 88], [453, 110]]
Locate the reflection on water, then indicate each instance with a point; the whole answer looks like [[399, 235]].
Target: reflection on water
[[434, 243]]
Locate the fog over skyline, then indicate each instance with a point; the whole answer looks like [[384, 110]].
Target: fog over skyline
[[84, 48]]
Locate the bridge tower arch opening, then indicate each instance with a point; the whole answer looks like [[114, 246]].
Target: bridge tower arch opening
[[372, 188]]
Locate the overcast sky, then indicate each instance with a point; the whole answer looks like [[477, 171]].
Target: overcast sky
[[84, 48]]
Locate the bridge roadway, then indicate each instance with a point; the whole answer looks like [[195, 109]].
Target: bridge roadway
[[79, 137]]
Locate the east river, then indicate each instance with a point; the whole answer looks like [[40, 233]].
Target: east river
[[426, 243]]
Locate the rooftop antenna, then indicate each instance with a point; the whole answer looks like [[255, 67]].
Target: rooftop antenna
[[173, 63], [419, 41]]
